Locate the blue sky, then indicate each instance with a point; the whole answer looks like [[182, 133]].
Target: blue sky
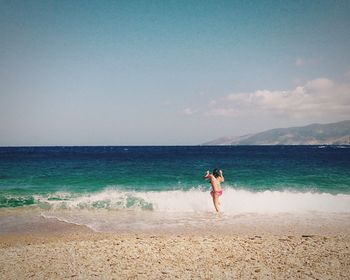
[[169, 72]]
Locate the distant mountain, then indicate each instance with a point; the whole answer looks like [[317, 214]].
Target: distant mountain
[[313, 134]]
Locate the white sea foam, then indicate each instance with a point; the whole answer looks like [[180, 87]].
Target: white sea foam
[[197, 200], [113, 209]]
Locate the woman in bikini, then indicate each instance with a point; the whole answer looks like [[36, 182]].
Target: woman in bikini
[[215, 179]]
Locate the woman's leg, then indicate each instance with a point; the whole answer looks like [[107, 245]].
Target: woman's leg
[[216, 201]]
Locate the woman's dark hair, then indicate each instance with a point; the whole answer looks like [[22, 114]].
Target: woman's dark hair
[[216, 173]]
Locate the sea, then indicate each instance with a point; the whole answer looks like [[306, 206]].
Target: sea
[[161, 188]]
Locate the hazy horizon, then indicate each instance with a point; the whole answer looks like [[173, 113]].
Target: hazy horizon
[[130, 73], [140, 145]]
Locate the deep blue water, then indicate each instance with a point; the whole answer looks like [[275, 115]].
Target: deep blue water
[[28, 172]]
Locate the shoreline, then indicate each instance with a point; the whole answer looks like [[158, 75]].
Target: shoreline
[[37, 221]]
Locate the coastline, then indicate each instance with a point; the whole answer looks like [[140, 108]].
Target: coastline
[[59, 250]]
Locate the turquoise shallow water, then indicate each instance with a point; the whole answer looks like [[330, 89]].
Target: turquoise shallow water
[[51, 176]]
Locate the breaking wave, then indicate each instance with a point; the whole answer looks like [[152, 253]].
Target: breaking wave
[[193, 200]]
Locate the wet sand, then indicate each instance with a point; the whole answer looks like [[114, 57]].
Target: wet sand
[[75, 252]]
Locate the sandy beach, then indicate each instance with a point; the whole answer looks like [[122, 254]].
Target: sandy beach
[[78, 253]]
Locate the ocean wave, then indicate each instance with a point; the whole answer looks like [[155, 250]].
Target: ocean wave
[[233, 200], [16, 201]]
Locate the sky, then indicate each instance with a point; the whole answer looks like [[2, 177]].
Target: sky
[[169, 72]]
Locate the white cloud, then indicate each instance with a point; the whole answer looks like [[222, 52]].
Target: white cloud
[[189, 111], [320, 84], [317, 98], [212, 102], [300, 62]]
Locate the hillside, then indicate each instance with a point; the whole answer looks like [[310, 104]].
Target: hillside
[[313, 134]]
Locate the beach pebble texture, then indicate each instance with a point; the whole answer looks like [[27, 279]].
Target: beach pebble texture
[[223, 256]]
